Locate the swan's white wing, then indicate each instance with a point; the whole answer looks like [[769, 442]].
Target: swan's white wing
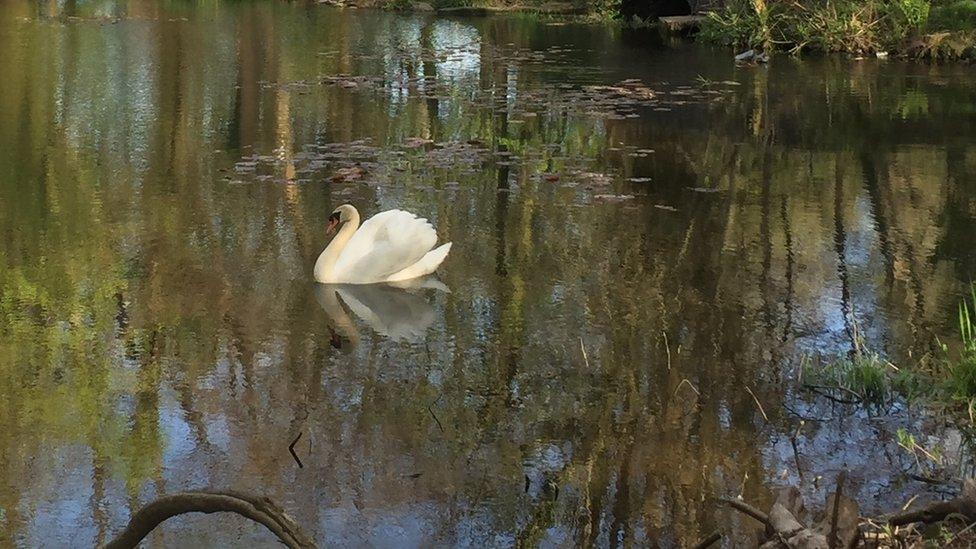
[[385, 244], [424, 266]]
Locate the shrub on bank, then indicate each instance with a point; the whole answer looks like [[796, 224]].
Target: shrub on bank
[[912, 27]]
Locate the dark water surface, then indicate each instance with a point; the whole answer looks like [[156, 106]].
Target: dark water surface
[[629, 263]]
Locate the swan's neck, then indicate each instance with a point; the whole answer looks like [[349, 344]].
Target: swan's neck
[[325, 264]]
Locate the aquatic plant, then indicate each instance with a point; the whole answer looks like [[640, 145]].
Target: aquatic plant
[[907, 441], [961, 371], [942, 382], [863, 374]]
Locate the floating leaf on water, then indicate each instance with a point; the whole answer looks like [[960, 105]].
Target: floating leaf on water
[[417, 142], [612, 197], [596, 179], [344, 175]]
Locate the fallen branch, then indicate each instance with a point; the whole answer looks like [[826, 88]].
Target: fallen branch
[[964, 505], [936, 512], [785, 531], [744, 507], [257, 508]]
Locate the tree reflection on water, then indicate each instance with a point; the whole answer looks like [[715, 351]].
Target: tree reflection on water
[[164, 183]]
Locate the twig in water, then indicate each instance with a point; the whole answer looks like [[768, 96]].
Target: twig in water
[[291, 449], [926, 480], [796, 452], [763, 412], [744, 507], [857, 396], [667, 349], [690, 384], [433, 415], [583, 349], [715, 536], [815, 390], [909, 503], [806, 418]]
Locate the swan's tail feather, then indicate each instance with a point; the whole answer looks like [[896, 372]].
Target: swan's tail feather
[[427, 264]]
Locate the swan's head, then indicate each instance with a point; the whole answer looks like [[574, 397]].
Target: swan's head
[[340, 215]]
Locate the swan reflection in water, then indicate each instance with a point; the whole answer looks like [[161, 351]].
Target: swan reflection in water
[[398, 310]]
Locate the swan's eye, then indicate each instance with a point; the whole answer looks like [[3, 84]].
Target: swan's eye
[[334, 217]]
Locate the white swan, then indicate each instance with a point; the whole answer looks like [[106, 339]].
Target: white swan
[[391, 246]]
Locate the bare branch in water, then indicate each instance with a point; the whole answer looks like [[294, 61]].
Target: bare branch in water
[[257, 508]]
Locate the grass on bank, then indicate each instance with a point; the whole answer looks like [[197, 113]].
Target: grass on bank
[[918, 28]]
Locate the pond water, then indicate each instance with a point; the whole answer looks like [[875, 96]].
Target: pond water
[[648, 241]]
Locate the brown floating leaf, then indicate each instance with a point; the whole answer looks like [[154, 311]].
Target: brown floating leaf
[[610, 198], [345, 175]]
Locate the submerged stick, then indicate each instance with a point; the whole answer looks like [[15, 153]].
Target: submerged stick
[[761, 411], [690, 384], [433, 415], [712, 538], [257, 508], [291, 448], [667, 348], [796, 451]]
